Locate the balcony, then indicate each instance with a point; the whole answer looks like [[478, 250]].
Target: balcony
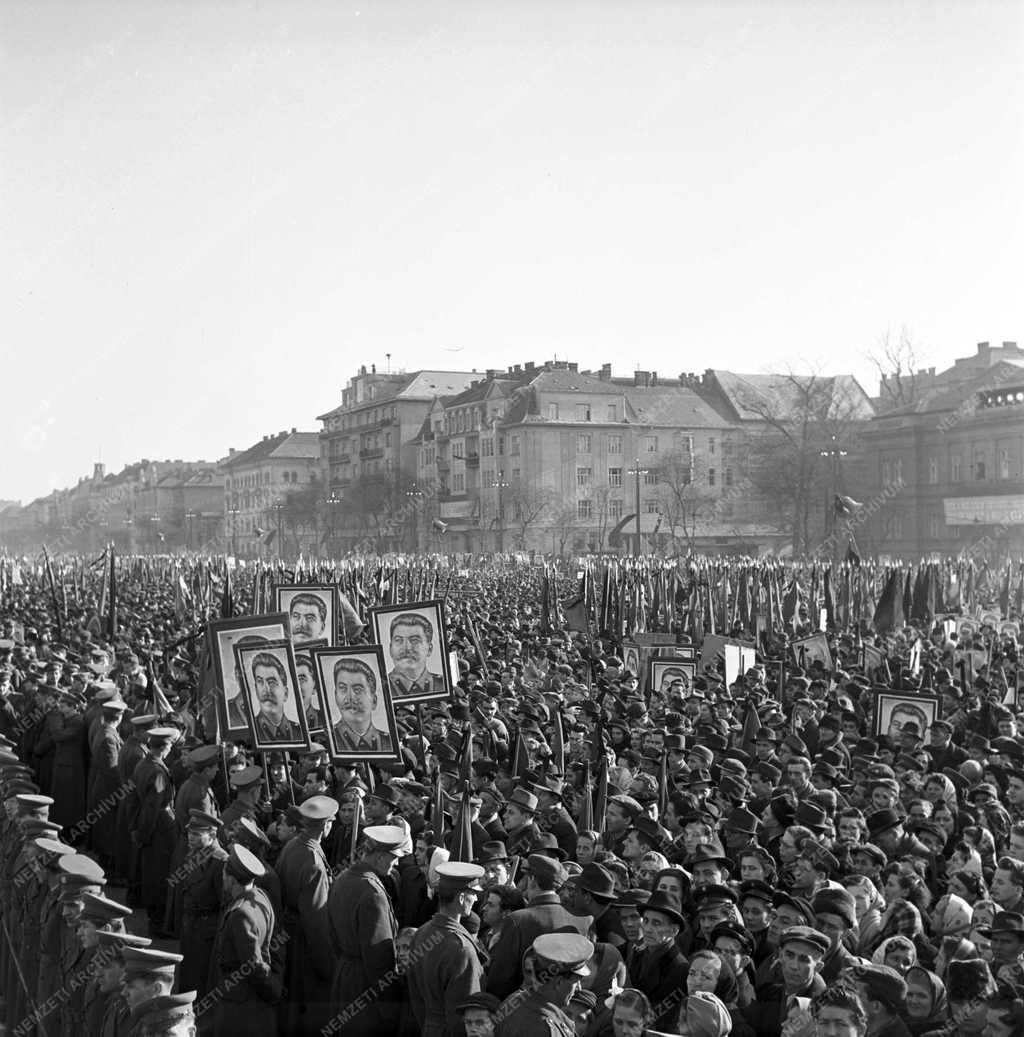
[[343, 459], [371, 453], [472, 460]]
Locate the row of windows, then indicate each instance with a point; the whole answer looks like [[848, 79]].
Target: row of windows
[[367, 417], [892, 469], [254, 479]]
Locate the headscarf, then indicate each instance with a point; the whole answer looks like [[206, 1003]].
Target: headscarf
[[891, 944], [948, 791], [936, 1017], [952, 916], [706, 1016], [439, 856], [954, 948]]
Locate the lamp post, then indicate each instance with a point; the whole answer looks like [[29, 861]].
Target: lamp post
[[637, 471], [333, 503], [835, 452], [233, 514], [278, 507], [190, 516], [415, 496], [500, 483]]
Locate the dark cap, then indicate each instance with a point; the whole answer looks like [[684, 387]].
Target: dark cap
[[805, 934], [881, 983], [486, 1002], [540, 864]]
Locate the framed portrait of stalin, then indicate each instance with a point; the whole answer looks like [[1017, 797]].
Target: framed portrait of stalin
[[312, 612], [895, 712], [222, 637], [415, 643], [358, 709], [271, 695], [311, 693]]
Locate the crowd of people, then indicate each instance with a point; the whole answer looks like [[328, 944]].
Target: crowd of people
[[756, 858]]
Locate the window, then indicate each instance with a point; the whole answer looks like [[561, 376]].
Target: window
[[615, 444], [615, 510], [552, 412], [933, 470], [727, 477], [459, 482], [894, 526], [954, 468], [711, 446], [584, 476], [514, 446], [886, 473], [711, 477], [487, 447], [651, 444], [583, 443], [285, 477], [501, 445], [584, 509], [1004, 464], [650, 478], [583, 412], [933, 526], [979, 464], [897, 470], [651, 506], [515, 474], [613, 412], [614, 476], [387, 439], [487, 476]]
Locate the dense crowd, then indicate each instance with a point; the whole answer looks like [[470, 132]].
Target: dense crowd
[[697, 858]]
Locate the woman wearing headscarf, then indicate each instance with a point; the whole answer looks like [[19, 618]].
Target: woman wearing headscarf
[[926, 1000], [869, 911], [903, 919], [898, 952], [951, 917], [704, 1015]]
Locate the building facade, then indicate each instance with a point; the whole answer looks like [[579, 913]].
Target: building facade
[[272, 496], [950, 464]]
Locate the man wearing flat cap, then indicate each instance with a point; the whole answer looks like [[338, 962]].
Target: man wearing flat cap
[[362, 930], [801, 953], [444, 964], [245, 985], [544, 913], [884, 994]]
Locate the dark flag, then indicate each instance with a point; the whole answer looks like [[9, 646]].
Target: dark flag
[[462, 834], [557, 744], [53, 595], [227, 601], [601, 798], [889, 611], [112, 601]]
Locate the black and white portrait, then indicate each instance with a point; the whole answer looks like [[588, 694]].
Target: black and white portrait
[[893, 712], [245, 632], [360, 716], [272, 695], [415, 647], [312, 612], [664, 673], [310, 689]]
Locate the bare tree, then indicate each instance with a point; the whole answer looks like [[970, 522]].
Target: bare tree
[[528, 505], [687, 502], [809, 422], [895, 358]]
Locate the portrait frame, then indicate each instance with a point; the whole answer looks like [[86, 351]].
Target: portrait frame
[[221, 637], [383, 717], [813, 647], [658, 668], [327, 593], [284, 651], [304, 652], [437, 665], [917, 707]]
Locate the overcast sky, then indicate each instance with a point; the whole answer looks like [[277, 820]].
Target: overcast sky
[[212, 213]]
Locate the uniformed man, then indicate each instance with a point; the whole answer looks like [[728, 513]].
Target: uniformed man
[[444, 965], [362, 931], [247, 784], [305, 883], [561, 962], [126, 853], [99, 914], [197, 895], [154, 834], [245, 987], [148, 974], [105, 1010], [104, 784], [170, 1015]]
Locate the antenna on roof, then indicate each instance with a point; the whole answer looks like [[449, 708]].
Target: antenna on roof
[[388, 355]]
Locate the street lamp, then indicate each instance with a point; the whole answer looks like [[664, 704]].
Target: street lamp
[[190, 516], [637, 471], [415, 497], [278, 506], [332, 503], [835, 452], [500, 483], [233, 514]]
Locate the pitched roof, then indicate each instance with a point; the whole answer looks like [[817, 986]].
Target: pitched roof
[[752, 396], [674, 405], [1006, 374], [299, 445]]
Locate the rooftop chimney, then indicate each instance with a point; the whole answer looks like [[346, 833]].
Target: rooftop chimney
[[606, 373], [641, 379], [654, 378], [293, 432], [575, 368]]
